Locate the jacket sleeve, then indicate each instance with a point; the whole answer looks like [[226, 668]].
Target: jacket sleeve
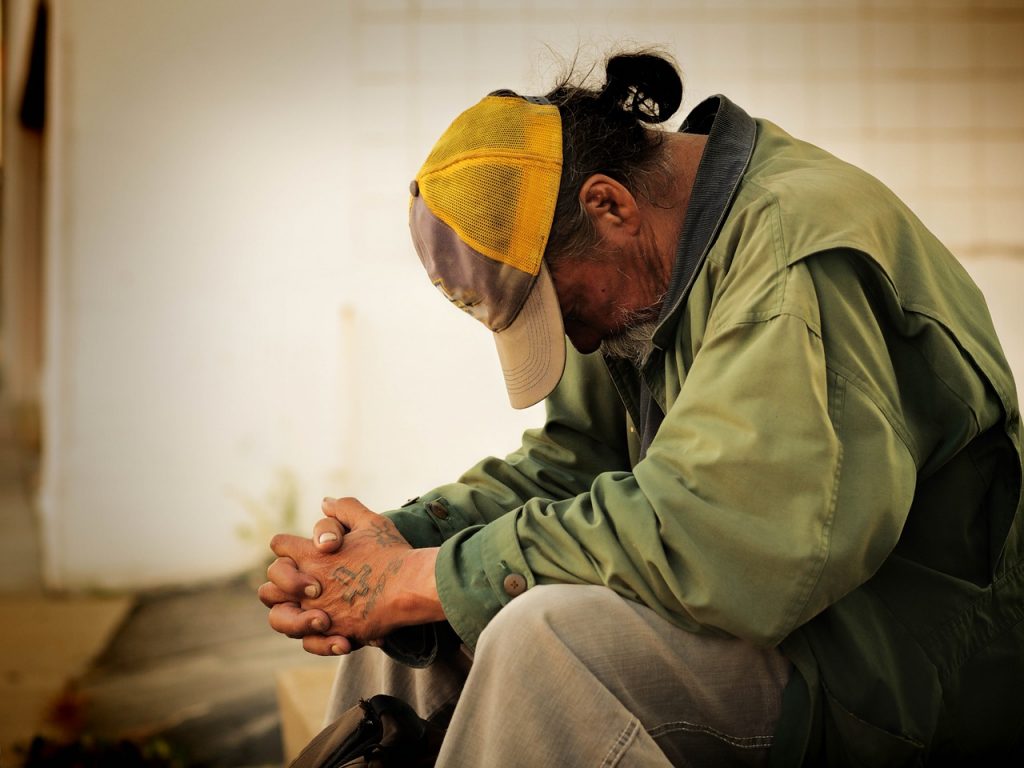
[[584, 434], [774, 486]]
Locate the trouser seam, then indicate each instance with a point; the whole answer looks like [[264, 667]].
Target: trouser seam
[[616, 750], [741, 742]]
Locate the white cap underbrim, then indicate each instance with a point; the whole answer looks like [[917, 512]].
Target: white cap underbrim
[[532, 347]]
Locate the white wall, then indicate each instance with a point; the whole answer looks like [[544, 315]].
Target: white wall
[[231, 287], [212, 320]]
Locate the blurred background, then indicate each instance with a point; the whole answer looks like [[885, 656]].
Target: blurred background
[[212, 314]]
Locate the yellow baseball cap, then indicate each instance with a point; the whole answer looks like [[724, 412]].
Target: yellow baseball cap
[[480, 212]]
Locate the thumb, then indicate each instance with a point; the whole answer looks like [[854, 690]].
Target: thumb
[[327, 535], [351, 513]]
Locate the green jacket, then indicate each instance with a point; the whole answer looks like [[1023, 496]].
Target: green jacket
[[823, 454]]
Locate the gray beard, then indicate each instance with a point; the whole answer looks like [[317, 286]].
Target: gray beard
[[633, 343]]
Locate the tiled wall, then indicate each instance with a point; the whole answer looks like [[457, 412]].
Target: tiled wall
[[926, 94]]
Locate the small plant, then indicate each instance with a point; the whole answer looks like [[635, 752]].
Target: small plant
[[87, 751], [65, 742], [276, 512]]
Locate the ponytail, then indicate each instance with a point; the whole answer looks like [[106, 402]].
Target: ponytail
[[605, 131]]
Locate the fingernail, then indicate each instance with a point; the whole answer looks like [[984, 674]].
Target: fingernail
[[312, 590], [325, 537], [337, 650], [319, 625], [328, 499]]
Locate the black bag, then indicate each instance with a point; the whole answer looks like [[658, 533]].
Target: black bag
[[380, 732]]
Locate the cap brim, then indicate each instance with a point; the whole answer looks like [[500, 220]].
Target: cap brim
[[532, 347]]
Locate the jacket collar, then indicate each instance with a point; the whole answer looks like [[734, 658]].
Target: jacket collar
[[731, 133]]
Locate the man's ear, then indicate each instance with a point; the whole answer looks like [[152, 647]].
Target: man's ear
[[611, 207]]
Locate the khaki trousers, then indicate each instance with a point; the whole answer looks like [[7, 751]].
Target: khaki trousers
[[569, 675]]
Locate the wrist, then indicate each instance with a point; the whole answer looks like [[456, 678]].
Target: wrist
[[419, 603]]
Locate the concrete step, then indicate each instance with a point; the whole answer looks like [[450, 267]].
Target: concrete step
[[302, 700]]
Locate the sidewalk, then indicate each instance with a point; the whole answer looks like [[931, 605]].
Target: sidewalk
[[194, 669], [197, 668]]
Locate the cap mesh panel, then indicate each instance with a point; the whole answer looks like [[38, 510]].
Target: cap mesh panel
[[493, 178]]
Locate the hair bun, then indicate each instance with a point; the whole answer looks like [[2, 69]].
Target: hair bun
[[644, 85]]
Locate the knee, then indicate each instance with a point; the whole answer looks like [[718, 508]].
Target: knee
[[553, 609]]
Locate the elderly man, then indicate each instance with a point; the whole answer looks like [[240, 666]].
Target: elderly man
[[775, 510]]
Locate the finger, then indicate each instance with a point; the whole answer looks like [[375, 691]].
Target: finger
[[286, 576], [327, 535], [348, 511], [328, 646], [270, 595], [289, 619], [286, 545]]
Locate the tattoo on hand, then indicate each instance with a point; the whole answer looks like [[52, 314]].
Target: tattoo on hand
[[356, 584], [393, 567], [384, 536]]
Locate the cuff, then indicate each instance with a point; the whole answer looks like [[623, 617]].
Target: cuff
[[427, 522], [479, 571], [423, 522], [420, 645]]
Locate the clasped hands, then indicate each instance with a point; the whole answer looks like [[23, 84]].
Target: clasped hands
[[350, 585]]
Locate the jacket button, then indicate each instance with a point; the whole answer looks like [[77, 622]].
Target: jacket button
[[414, 188], [514, 584], [438, 510]]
